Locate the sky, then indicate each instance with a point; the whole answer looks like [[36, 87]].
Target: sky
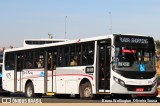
[[34, 19]]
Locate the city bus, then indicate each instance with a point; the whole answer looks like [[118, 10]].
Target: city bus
[[103, 65], [34, 42]]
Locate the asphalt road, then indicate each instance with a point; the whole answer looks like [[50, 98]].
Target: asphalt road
[[19, 98]]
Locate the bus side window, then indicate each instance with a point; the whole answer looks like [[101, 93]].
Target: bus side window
[[75, 55], [84, 57], [66, 56], [88, 53], [63, 57], [59, 57], [9, 61], [28, 59], [73, 61], [39, 59]]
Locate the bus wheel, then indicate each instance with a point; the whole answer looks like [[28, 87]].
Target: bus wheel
[[86, 91], [29, 91]]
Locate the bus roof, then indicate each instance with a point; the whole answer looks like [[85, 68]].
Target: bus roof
[[70, 42]]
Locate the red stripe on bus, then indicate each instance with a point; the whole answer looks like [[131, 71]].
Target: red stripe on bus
[[74, 75], [60, 75]]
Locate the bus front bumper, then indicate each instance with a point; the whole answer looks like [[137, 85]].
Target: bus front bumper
[[147, 95], [131, 89]]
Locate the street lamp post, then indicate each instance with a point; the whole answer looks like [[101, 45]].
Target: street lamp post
[[65, 26]]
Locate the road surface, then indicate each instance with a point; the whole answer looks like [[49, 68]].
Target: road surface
[[19, 98]]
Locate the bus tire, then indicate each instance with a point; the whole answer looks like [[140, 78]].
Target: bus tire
[[29, 90], [86, 91]]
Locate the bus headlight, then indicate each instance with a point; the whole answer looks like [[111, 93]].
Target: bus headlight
[[115, 79], [119, 81], [154, 82]]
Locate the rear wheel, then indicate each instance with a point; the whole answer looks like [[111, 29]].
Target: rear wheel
[[86, 91], [29, 91]]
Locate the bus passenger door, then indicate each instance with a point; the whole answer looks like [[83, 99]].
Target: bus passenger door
[[18, 72], [49, 72], [103, 65]]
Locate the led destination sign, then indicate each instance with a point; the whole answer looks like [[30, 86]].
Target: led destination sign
[[133, 39]]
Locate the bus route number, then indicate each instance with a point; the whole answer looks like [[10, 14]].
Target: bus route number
[[125, 64]]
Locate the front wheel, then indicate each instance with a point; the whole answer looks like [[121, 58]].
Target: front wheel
[[86, 91], [29, 91]]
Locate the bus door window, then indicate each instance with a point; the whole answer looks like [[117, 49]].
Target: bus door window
[[49, 60], [19, 62], [55, 54], [104, 52], [101, 61], [104, 62]]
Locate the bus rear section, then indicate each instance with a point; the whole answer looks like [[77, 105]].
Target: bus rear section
[[28, 71]]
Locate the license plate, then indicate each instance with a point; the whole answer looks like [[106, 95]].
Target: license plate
[[139, 89]]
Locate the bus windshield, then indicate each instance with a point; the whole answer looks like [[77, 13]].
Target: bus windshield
[[134, 59]]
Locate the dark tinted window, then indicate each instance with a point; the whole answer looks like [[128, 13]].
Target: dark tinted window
[[75, 55], [9, 61], [28, 62], [63, 56], [39, 58], [88, 53]]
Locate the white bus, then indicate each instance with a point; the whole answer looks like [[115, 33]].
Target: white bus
[[33, 42], [112, 64]]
